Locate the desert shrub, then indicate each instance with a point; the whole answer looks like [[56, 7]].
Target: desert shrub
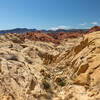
[[46, 85], [61, 81]]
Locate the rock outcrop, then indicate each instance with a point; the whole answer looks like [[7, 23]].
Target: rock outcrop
[[52, 37], [40, 36], [94, 29], [56, 37]]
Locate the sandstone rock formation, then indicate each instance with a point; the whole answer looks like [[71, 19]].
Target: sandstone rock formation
[[40, 36], [94, 29], [56, 37], [41, 70], [52, 37]]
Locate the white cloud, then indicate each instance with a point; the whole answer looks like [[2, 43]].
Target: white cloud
[[83, 24], [94, 23], [60, 27]]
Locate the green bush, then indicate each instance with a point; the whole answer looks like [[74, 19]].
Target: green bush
[[46, 85]]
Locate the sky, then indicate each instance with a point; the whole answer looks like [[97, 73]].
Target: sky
[[49, 14]]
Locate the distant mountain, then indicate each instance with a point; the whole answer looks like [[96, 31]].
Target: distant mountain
[[17, 30], [70, 30], [25, 30]]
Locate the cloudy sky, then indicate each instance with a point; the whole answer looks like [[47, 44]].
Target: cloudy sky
[[49, 14]]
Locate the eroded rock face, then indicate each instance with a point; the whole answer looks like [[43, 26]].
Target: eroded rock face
[[35, 70]]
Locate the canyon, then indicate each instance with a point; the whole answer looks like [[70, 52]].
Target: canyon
[[50, 66]]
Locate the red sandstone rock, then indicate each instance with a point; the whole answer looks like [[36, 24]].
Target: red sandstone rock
[[93, 29], [65, 35], [56, 37], [40, 36]]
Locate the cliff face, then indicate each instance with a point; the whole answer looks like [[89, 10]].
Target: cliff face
[[35, 70]]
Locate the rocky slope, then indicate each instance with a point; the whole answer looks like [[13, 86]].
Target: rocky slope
[[36, 70]]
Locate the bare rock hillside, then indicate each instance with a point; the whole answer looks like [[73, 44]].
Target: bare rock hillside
[[36, 70]]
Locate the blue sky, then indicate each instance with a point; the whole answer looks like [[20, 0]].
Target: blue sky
[[49, 14]]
